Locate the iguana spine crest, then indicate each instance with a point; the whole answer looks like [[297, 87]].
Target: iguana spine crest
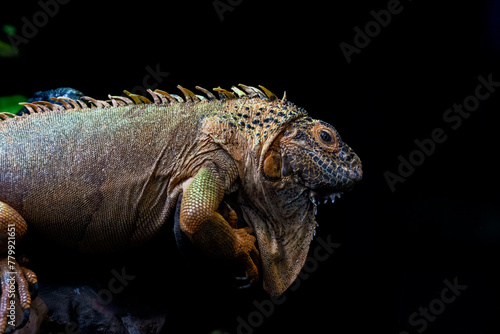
[[159, 97]]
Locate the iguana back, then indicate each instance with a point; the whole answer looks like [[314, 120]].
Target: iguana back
[[108, 173]]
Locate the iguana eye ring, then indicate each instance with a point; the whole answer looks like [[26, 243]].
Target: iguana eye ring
[[325, 136]]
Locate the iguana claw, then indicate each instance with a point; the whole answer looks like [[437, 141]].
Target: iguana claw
[[248, 253], [26, 316], [11, 273], [242, 283], [34, 290]]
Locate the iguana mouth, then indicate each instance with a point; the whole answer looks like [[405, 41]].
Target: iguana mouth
[[318, 192], [317, 198]]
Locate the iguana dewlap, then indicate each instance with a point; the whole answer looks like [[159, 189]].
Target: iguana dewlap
[[108, 177]]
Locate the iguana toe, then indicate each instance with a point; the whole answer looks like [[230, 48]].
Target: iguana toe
[[15, 280], [232, 219], [248, 253]]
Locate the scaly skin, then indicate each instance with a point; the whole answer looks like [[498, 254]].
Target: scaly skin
[[206, 227], [109, 177], [12, 229]]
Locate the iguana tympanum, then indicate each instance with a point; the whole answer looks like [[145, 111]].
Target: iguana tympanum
[[101, 176]]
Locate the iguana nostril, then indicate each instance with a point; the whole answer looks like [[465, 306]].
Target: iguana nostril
[[356, 170]]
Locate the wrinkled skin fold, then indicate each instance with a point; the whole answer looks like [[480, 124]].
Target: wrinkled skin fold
[[304, 165], [283, 246]]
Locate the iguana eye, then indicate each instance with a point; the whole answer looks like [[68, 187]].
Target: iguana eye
[[325, 136]]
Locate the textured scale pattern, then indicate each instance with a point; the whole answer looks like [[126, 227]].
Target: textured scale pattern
[[105, 175]]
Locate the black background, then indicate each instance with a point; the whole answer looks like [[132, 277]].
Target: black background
[[396, 247]]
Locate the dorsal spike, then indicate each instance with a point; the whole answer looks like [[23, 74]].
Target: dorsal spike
[[138, 99], [189, 95], [67, 99], [246, 89], [259, 93], [46, 106], [252, 91], [162, 97], [156, 100], [121, 100], [225, 94], [5, 116], [65, 104], [32, 108], [167, 95], [114, 103], [96, 103], [82, 104], [144, 99], [210, 96], [178, 98], [269, 94], [238, 91]]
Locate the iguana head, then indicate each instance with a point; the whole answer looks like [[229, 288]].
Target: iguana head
[[305, 165], [312, 154], [288, 164], [301, 163]]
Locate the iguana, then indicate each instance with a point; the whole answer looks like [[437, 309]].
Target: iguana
[[105, 175]]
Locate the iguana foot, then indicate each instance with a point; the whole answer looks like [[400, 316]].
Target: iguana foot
[[202, 219], [15, 280], [248, 252]]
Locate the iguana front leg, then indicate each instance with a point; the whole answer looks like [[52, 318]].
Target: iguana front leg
[[208, 230], [14, 279]]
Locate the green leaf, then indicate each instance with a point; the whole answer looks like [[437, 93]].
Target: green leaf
[[11, 103], [9, 29], [7, 50]]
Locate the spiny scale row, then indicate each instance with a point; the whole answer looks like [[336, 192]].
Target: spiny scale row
[[159, 97]]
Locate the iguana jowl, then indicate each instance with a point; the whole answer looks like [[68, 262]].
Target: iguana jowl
[[107, 176]]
